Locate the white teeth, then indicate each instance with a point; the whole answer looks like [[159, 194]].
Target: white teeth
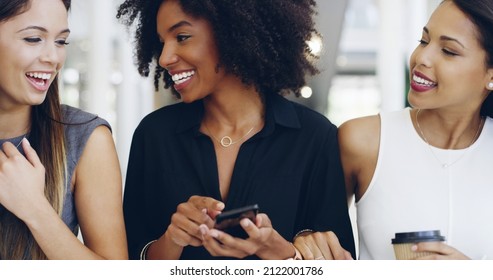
[[182, 77], [422, 81], [38, 75]]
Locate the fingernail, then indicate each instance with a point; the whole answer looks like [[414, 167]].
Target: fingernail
[[214, 233], [245, 222], [414, 248], [220, 206], [27, 141], [202, 229], [204, 211]]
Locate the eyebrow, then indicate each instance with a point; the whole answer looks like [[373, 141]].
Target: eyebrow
[[445, 38], [42, 29], [178, 25]]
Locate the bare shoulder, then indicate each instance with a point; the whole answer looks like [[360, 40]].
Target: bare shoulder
[[359, 141], [98, 158], [361, 135]]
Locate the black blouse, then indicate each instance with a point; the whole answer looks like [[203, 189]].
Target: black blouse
[[291, 169]]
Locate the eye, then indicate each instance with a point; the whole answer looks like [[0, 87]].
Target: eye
[[449, 53], [32, 39], [422, 42], [62, 42], [181, 37]]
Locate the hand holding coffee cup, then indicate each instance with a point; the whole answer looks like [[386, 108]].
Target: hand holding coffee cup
[[403, 242]]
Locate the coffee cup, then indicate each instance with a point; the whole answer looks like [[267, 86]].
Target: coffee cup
[[403, 242]]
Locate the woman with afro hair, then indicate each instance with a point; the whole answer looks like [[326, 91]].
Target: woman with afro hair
[[234, 140]]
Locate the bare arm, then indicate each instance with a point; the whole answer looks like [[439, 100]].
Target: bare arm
[[98, 193], [98, 197], [359, 141]]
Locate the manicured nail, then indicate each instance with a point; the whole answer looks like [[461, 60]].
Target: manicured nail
[[214, 233], [203, 229], [245, 222]]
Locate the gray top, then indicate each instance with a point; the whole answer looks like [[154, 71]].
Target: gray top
[[79, 126]]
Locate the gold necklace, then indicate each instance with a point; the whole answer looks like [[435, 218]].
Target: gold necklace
[[446, 165], [226, 141]]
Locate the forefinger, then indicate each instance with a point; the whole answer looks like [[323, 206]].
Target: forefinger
[[203, 202]]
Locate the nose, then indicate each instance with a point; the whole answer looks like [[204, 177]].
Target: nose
[[168, 56], [422, 55], [53, 54]]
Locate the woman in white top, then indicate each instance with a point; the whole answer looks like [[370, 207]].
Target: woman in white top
[[429, 167]]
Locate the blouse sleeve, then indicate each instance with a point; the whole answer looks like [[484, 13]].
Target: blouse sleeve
[[134, 198], [325, 207]]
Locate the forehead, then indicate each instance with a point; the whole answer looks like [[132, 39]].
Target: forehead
[[45, 13], [171, 17], [169, 13], [449, 20]]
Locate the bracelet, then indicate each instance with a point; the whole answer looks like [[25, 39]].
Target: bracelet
[[297, 255], [143, 253], [302, 232]]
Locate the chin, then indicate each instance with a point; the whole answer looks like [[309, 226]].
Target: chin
[[37, 100]]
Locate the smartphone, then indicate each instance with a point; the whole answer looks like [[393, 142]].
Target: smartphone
[[229, 221]]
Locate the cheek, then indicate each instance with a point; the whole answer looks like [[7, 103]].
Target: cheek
[[63, 56]]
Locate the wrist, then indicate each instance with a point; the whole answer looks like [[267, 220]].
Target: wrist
[[276, 248], [297, 254], [302, 232], [143, 253]]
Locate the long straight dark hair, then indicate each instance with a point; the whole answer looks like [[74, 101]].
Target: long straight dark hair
[[47, 138]]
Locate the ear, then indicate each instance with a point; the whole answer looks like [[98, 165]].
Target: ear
[[489, 84]]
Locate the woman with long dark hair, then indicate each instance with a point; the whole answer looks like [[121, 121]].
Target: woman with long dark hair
[[58, 166], [428, 167]]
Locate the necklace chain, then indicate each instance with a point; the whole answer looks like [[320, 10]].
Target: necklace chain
[[226, 141], [446, 165]]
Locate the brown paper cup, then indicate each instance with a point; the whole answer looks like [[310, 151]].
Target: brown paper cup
[[403, 242]]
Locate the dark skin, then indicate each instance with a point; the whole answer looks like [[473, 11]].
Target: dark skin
[[232, 108]]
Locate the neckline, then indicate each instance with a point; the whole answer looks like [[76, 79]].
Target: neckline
[[441, 150]]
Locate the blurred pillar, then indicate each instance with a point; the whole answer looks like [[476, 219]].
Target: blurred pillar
[[134, 98], [391, 58], [329, 22], [101, 18]]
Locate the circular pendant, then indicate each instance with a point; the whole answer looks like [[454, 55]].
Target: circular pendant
[[226, 141]]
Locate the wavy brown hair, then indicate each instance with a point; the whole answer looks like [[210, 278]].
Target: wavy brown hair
[[264, 42], [47, 138]]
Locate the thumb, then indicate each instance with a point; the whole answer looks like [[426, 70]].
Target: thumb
[[31, 154]]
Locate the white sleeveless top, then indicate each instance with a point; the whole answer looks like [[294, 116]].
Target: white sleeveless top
[[411, 191]]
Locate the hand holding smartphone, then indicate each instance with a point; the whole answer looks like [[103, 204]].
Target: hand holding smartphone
[[229, 221]]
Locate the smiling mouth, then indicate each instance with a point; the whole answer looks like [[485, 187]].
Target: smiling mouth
[[423, 82], [182, 77], [39, 78]]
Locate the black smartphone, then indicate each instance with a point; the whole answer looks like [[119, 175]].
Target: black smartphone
[[229, 221]]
